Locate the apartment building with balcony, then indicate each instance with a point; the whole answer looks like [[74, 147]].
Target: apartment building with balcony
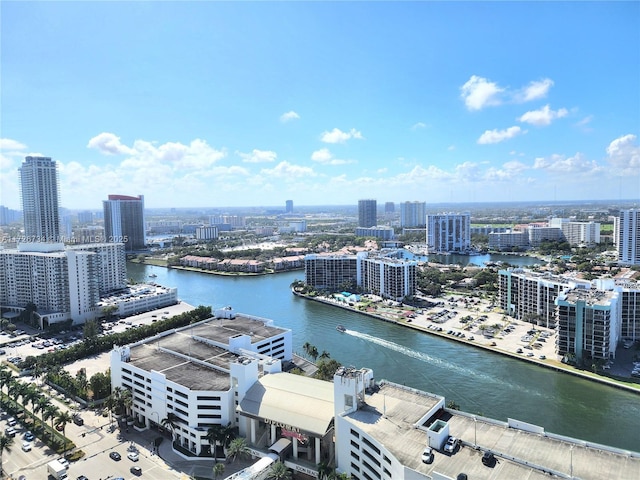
[[588, 323], [62, 283], [380, 273], [448, 233]]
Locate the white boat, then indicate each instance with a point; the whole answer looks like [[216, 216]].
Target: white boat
[[340, 328]]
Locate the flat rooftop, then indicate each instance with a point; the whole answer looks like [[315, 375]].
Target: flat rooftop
[[391, 413], [199, 365]]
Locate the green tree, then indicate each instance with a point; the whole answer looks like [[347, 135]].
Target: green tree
[[5, 444], [279, 471], [237, 448], [170, 423], [218, 470], [326, 369], [50, 412], [62, 420]]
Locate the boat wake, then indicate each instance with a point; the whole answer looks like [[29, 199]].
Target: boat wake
[[437, 362]]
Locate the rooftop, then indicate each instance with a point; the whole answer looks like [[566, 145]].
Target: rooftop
[[392, 412], [186, 356]]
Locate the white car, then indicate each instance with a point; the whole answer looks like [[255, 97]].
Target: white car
[[450, 446], [26, 446], [133, 456], [64, 462], [427, 455]]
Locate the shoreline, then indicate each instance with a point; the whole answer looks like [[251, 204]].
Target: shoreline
[[489, 348]]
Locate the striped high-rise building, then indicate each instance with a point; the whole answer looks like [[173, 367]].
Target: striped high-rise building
[[367, 213], [40, 202], [627, 232], [124, 221]]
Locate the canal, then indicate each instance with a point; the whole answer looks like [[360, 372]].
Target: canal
[[480, 382]]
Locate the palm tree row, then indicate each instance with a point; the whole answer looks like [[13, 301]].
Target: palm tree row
[[26, 394]]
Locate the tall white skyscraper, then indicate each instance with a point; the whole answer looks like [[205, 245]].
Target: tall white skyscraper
[[40, 205], [628, 237], [449, 232], [413, 214]]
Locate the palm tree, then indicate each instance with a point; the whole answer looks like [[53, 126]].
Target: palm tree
[[40, 406], [31, 395], [50, 412], [5, 376], [214, 435], [62, 420], [324, 470], [5, 444], [307, 348], [237, 447], [170, 423], [279, 471], [228, 434], [218, 469]]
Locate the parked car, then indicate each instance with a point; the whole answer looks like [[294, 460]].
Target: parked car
[[26, 446], [11, 421], [488, 459], [133, 456], [115, 456], [29, 436], [136, 470], [427, 455], [64, 462], [77, 419], [10, 432], [452, 443]]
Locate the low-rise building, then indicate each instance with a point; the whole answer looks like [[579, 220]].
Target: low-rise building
[[139, 298]]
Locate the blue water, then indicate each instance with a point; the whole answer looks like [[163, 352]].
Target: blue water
[[479, 381]]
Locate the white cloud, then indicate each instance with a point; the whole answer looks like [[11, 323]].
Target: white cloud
[[543, 116], [338, 136], [585, 121], [258, 156], [417, 126], [289, 171], [325, 157], [9, 144], [108, 144], [534, 91], [451, 148], [561, 164], [497, 136], [479, 92], [290, 115], [624, 155]]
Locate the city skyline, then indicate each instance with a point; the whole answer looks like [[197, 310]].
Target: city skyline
[[242, 104]]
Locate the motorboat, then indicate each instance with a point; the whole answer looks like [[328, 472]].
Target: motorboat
[[341, 328]]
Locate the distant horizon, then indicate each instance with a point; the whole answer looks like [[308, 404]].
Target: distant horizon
[[255, 103], [629, 203]]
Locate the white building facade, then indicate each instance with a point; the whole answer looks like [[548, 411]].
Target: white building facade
[[448, 233], [628, 237], [40, 202], [413, 214], [198, 374], [63, 284]]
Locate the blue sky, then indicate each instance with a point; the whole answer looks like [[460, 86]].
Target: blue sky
[[213, 104]]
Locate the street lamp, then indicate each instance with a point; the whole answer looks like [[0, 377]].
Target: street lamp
[[475, 432], [571, 460]]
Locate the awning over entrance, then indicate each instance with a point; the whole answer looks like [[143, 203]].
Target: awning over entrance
[[280, 446], [296, 403]]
